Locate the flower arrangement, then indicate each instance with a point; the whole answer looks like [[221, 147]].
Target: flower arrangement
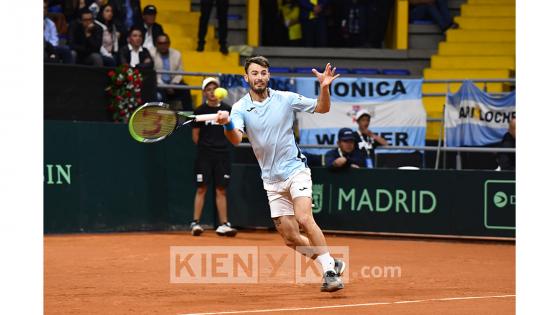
[[124, 91]]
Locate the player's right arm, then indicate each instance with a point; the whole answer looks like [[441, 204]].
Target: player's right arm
[[234, 136], [233, 125]]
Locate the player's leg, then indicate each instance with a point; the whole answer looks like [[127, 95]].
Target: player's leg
[[288, 228], [221, 204], [221, 173], [201, 171], [300, 190], [199, 196]]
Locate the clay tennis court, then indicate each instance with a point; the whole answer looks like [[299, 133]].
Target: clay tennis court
[[128, 273]]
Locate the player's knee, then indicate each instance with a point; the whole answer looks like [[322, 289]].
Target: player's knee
[[220, 190], [305, 221], [201, 190]]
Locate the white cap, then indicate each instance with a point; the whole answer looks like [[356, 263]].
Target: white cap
[[362, 112], [208, 81]]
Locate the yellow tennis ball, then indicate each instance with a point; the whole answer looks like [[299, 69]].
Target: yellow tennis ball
[[220, 93]]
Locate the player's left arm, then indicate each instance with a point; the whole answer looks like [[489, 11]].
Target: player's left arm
[[325, 79]]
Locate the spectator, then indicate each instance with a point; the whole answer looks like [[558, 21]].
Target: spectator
[[127, 12], [506, 161], [111, 39], [213, 160], [150, 28], [85, 39], [72, 9], [274, 31], [290, 13], [354, 23], [437, 10], [205, 10], [346, 155], [95, 6], [169, 59], [53, 51], [313, 22], [379, 12], [366, 140], [133, 53]]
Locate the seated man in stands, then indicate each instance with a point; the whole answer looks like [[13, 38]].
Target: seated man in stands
[[366, 140], [85, 39], [346, 155], [150, 28], [133, 53], [506, 161], [169, 59], [56, 52]]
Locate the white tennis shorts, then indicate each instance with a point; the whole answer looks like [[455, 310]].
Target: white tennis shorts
[[281, 194]]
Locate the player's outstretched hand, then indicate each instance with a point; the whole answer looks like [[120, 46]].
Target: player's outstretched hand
[[223, 117], [327, 76]]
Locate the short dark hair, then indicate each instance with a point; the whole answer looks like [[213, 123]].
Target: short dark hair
[[260, 60], [166, 36], [85, 10], [135, 28]]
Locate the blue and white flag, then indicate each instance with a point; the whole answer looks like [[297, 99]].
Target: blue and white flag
[[237, 87], [395, 105], [474, 118]]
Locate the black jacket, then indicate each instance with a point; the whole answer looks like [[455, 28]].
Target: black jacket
[[124, 57], [85, 45], [157, 30]]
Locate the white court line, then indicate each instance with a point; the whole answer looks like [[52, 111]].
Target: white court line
[[355, 305]]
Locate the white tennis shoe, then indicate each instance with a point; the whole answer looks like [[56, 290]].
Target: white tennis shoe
[[226, 230]]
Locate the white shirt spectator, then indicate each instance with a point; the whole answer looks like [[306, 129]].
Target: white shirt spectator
[[148, 41], [134, 55]]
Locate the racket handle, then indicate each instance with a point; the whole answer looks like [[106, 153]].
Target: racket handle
[[206, 117]]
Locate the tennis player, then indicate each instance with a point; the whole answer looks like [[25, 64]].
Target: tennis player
[[267, 116]]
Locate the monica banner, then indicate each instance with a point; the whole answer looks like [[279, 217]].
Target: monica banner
[[474, 118], [395, 105]]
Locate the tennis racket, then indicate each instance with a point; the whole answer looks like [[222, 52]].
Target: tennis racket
[[153, 122]]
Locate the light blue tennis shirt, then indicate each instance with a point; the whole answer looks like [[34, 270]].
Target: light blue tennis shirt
[[269, 127]]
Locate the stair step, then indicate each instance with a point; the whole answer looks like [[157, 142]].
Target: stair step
[[454, 87], [170, 5], [492, 2], [459, 35], [475, 10], [494, 23], [177, 31], [190, 44], [473, 62], [442, 74], [211, 58], [477, 49], [174, 16]]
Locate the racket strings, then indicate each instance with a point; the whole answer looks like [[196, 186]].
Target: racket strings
[[153, 122]]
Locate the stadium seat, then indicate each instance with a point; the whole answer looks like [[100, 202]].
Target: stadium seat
[[234, 17], [343, 70], [366, 71], [304, 69], [280, 70], [422, 22], [395, 72]]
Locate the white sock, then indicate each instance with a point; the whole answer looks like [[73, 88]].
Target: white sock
[[326, 261]]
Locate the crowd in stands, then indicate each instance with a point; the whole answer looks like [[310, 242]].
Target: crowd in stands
[[340, 23], [110, 33], [356, 149]]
